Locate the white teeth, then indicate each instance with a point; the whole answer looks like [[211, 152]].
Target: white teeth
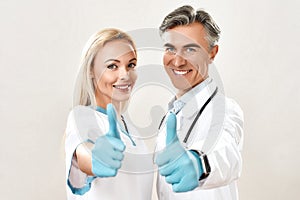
[[122, 87], [181, 72]]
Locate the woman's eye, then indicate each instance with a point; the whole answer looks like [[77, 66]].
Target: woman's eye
[[112, 66], [131, 65]]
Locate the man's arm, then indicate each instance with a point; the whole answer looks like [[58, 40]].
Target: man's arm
[[225, 158]]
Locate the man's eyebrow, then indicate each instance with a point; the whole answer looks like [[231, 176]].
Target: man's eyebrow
[[109, 60], [192, 45], [185, 46], [168, 45]]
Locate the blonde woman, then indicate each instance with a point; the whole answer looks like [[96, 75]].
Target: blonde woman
[[100, 146]]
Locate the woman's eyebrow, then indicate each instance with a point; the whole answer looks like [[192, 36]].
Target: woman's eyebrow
[[109, 60], [133, 59], [116, 60]]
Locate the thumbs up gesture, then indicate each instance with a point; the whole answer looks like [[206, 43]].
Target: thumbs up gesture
[[181, 168], [107, 153]]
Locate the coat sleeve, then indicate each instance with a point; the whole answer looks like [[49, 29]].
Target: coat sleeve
[[78, 182], [225, 156]]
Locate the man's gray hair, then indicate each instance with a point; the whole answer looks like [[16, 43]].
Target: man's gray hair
[[186, 15]]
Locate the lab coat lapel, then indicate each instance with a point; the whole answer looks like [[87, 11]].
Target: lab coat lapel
[[194, 105], [188, 113]]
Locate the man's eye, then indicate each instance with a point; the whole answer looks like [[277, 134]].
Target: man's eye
[[112, 66], [190, 50], [131, 65], [170, 50]]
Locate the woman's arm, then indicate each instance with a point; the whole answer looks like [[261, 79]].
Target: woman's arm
[[84, 158]]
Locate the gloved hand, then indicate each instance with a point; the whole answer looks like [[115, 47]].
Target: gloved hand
[[180, 167], [107, 152]]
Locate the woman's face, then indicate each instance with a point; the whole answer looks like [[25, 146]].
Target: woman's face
[[114, 72]]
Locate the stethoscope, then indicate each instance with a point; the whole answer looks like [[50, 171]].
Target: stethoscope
[[196, 118]]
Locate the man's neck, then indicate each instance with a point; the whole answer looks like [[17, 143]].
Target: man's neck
[[180, 93]]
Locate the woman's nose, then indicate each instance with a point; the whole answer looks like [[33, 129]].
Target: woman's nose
[[123, 73]]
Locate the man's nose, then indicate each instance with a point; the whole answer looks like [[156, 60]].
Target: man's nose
[[179, 60]]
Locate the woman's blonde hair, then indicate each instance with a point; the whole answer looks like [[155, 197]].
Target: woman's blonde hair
[[84, 92]]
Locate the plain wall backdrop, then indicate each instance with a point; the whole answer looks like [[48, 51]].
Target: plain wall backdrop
[[40, 47]]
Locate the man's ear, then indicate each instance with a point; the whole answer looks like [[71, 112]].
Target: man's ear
[[213, 52]]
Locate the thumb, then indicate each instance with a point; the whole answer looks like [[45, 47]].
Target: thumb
[[171, 129], [111, 114]]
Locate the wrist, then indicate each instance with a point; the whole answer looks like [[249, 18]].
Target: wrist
[[204, 164], [196, 162]]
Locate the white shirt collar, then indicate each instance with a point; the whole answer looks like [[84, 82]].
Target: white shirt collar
[[177, 104]]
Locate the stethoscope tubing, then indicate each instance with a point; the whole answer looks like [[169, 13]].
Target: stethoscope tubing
[[196, 118]]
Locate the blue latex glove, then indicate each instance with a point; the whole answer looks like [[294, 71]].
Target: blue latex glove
[[107, 152], [181, 168]]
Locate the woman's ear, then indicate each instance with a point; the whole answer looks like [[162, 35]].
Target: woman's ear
[[92, 75], [213, 52]]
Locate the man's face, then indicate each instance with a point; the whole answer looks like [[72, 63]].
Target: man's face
[[187, 55]]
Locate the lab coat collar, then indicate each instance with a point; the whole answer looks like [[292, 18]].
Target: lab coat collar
[[178, 104], [196, 98]]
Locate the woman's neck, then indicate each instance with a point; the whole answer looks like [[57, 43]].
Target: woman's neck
[[117, 105], [103, 100]]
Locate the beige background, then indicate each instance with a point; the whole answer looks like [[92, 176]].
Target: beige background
[[40, 46]]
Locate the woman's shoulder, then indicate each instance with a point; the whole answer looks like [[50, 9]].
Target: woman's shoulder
[[86, 121], [86, 114], [81, 108]]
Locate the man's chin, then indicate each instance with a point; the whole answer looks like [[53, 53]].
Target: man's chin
[[183, 88]]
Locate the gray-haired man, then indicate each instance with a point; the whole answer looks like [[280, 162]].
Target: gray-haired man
[[200, 140]]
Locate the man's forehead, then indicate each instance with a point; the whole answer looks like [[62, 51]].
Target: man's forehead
[[176, 37], [181, 35]]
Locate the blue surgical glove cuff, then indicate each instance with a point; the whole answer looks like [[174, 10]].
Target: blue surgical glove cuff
[[198, 163]]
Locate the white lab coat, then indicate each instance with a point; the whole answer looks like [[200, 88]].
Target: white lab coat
[[218, 132], [134, 179]]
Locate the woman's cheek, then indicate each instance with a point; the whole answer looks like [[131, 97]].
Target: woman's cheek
[[133, 76]]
